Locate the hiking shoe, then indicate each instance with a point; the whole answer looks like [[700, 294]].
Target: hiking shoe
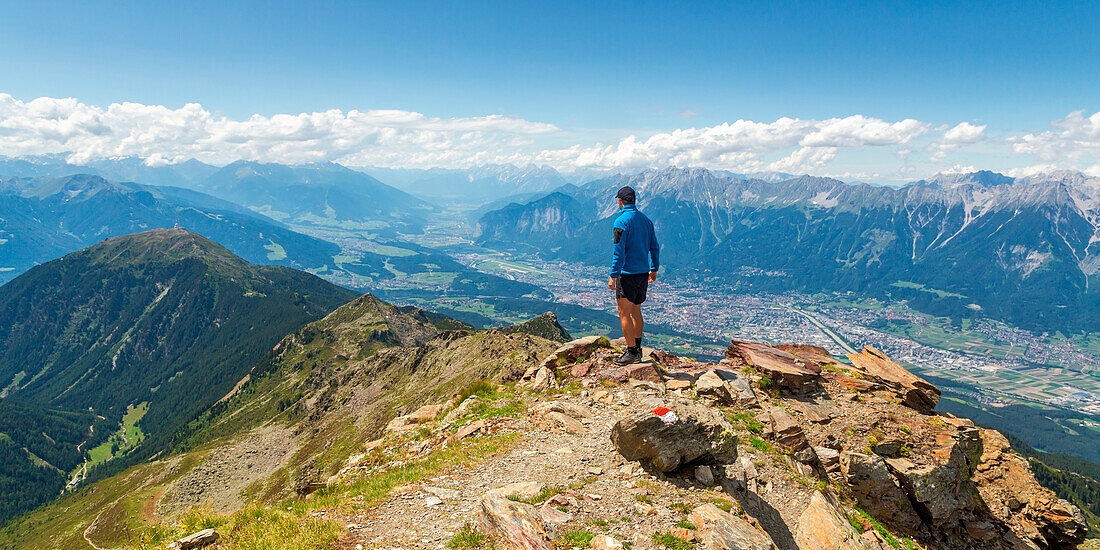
[[631, 355]]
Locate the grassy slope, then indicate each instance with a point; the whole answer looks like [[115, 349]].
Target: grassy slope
[[316, 381]]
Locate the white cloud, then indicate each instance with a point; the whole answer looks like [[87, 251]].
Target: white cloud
[[964, 133], [804, 160], [395, 138], [688, 113], [740, 145], [161, 135], [1030, 170], [1075, 137]]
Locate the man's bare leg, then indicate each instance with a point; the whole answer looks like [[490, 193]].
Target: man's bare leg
[[636, 318], [626, 318]]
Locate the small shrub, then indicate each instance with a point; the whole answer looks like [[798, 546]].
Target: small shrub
[[685, 524]]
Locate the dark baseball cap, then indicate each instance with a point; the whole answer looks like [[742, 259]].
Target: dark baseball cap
[[626, 194]]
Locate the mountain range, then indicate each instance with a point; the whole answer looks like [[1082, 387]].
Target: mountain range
[[45, 218], [1026, 250], [323, 194], [474, 185]]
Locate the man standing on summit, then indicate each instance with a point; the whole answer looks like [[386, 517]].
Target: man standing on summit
[[634, 264]]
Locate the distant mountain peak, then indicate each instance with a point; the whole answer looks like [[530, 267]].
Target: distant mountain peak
[[985, 178], [161, 245]]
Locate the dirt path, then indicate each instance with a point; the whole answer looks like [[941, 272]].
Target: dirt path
[[608, 492]]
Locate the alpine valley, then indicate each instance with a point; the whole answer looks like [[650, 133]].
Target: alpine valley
[[1026, 250]]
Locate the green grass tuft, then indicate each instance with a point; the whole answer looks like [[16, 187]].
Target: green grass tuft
[[577, 538], [672, 542], [469, 537]]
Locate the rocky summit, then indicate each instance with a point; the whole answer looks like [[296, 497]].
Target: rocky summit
[[774, 447]]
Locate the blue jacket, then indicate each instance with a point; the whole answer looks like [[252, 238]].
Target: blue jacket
[[636, 249]]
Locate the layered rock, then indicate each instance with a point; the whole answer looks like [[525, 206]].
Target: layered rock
[[1014, 497], [914, 390], [877, 492], [786, 371]]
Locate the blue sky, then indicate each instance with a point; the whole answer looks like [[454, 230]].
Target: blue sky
[[597, 72]]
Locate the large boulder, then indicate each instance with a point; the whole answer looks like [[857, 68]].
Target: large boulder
[[786, 371], [940, 488], [675, 434], [516, 525], [877, 492], [914, 391], [720, 530]]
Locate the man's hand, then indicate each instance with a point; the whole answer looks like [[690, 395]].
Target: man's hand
[[611, 283], [652, 276]]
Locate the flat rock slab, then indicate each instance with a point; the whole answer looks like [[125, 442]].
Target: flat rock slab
[[785, 370], [197, 540]]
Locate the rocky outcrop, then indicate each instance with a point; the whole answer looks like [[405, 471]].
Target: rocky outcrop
[[788, 372], [426, 413], [571, 351], [789, 434], [676, 433], [913, 390], [1014, 497], [720, 530], [940, 486], [544, 326], [877, 492], [908, 477]]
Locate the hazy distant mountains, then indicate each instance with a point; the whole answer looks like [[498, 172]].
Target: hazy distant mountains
[[1024, 249], [317, 194], [323, 194], [473, 186], [44, 218]]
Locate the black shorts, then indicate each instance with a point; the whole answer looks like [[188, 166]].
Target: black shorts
[[632, 287]]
